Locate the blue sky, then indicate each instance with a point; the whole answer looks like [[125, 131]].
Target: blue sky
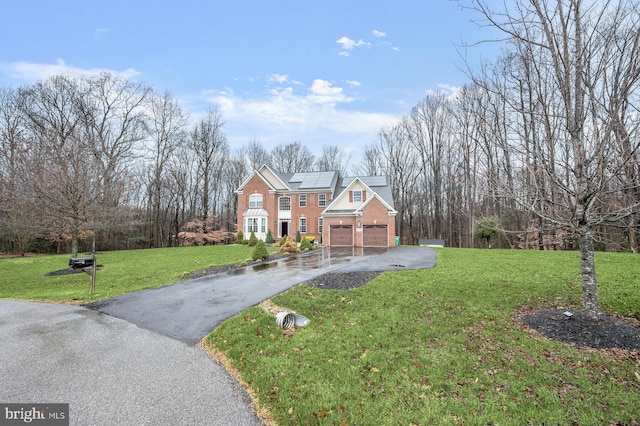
[[322, 73]]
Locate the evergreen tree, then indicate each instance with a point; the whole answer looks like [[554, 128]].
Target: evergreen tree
[[260, 251]]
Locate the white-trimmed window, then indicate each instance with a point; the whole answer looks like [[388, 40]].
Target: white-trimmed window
[[302, 225], [302, 200], [255, 201], [284, 203], [252, 224], [322, 200], [320, 225], [357, 196], [263, 225]]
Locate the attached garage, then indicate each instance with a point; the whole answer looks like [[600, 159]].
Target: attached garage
[[375, 236], [341, 235]]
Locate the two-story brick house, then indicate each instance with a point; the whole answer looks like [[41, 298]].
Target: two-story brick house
[[356, 211]]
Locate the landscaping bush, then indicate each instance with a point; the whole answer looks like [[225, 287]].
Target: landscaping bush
[[297, 236], [269, 239], [260, 252], [239, 237], [253, 240], [283, 240], [289, 247], [306, 245]]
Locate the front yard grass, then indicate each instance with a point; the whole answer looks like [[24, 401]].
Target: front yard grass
[[441, 346], [124, 272]]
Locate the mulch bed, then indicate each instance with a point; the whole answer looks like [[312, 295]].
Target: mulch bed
[[607, 333]]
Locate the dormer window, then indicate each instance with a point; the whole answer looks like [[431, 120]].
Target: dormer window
[[357, 196], [255, 201]]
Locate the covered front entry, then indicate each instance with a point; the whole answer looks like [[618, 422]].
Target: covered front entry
[[341, 235], [375, 236], [284, 228]]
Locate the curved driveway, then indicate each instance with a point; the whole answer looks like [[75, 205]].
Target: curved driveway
[[190, 310], [123, 367]]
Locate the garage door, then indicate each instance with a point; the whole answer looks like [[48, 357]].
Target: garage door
[[375, 236], [341, 235]]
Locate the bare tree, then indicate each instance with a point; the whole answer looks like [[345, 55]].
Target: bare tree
[[209, 145], [17, 223], [114, 124], [166, 133], [333, 159], [256, 155], [291, 158], [371, 163], [569, 42], [58, 171]]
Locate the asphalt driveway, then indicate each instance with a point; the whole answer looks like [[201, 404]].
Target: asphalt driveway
[[190, 310], [111, 372], [137, 365]]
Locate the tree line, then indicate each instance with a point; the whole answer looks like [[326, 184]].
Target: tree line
[[543, 143], [102, 158]]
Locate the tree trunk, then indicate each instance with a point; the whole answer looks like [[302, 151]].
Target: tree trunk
[[74, 240], [633, 237], [589, 288]]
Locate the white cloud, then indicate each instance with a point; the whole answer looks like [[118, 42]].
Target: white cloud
[[31, 72], [323, 92], [353, 83], [316, 114], [348, 44], [277, 78], [100, 33], [392, 47], [448, 91]]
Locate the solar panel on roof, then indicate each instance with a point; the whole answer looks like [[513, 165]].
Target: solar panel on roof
[[315, 180], [297, 177], [375, 180], [368, 180], [325, 180]]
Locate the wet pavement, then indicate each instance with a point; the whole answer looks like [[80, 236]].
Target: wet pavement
[[143, 369], [190, 310], [111, 372]]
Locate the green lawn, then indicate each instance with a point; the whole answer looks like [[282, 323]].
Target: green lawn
[[124, 272], [442, 346]]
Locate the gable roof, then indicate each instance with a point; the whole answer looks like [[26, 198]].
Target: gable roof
[[294, 182], [271, 178], [376, 186]]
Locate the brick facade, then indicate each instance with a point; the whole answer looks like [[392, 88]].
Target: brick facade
[[356, 205]]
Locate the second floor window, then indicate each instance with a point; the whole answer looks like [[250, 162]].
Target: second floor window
[[303, 200], [357, 196], [285, 203], [255, 201], [322, 200]]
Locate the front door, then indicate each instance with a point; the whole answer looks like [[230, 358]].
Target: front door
[[284, 228]]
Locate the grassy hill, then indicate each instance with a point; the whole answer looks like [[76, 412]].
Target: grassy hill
[[441, 346]]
